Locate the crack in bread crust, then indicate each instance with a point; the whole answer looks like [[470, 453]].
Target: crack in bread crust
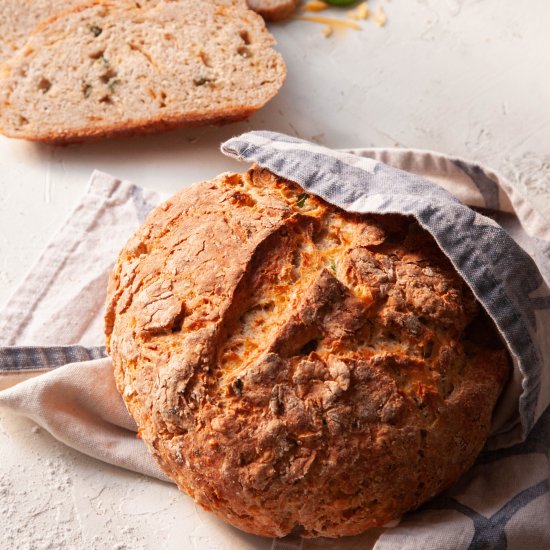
[[295, 367]]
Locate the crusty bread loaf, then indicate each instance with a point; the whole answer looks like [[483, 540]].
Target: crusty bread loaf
[[107, 69], [294, 367], [274, 10]]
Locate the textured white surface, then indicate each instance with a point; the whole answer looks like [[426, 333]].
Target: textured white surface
[[466, 78]]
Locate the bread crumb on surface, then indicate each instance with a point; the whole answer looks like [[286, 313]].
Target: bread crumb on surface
[[327, 31], [380, 17]]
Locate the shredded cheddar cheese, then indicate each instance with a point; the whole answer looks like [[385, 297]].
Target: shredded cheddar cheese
[[316, 5], [330, 21], [327, 31], [360, 12], [380, 17]]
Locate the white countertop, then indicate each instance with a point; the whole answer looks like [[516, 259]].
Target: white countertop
[[464, 77]]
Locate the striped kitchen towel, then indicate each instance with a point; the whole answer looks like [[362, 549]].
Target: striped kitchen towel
[[497, 242]]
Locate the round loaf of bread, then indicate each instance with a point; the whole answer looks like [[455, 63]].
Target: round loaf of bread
[[296, 368]]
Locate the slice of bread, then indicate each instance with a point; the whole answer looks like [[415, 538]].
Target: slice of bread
[[20, 17], [106, 69], [274, 10]]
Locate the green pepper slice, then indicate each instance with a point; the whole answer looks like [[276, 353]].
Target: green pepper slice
[[340, 2]]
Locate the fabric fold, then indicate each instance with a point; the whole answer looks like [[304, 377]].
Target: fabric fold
[[79, 405]]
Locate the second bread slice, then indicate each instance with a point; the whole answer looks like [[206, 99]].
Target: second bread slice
[[274, 10], [106, 69]]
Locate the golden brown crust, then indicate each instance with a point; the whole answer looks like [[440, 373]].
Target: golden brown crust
[[292, 366], [137, 128]]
